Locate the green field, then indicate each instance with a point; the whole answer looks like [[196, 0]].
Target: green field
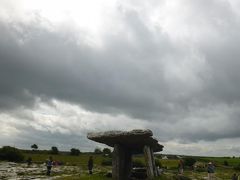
[[75, 167], [68, 160]]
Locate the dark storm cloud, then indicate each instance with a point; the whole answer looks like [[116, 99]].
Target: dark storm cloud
[[184, 88], [123, 77]]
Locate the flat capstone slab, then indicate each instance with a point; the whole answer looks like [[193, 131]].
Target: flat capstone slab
[[133, 140]]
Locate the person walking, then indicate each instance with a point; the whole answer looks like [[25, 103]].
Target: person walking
[[90, 165]]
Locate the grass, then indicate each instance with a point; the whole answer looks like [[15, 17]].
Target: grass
[[169, 163], [80, 160], [85, 177], [170, 166], [220, 160]]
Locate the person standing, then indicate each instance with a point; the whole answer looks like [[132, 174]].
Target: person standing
[[49, 164], [90, 165], [210, 170], [235, 176], [180, 166]]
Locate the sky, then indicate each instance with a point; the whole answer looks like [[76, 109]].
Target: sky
[[69, 67]]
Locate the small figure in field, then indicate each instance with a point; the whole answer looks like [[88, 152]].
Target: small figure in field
[[180, 167], [90, 164], [210, 170], [29, 161], [235, 176], [49, 164]]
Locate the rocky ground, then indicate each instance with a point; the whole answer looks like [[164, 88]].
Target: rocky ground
[[37, 171], [21, 171]]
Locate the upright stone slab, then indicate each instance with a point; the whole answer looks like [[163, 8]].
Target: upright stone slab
[[149, 161], [128, 163], [121, 164], [154, 165]]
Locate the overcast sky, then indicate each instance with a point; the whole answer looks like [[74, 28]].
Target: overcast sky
[[70, 67]]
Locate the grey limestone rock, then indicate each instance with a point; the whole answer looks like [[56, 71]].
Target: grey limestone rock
[[133, 140]]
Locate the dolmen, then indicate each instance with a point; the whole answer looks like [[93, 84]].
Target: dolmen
[[126, 144]]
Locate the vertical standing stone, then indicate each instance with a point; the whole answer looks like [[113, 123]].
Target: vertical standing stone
[[153, 163], [128, 164], [115, 162], [122, 162], [149, 161]]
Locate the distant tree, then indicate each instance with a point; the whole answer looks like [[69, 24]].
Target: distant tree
[[11, 154], [54, 150], [98, 151], [75, 152], [106, 151], [34, 147]]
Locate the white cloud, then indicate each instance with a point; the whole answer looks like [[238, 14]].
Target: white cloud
[[58, 117]]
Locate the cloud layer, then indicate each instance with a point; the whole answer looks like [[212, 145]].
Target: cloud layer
[[168, 66]]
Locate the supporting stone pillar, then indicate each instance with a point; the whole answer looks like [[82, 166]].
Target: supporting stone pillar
[[122, 163], [154, 165], [128, 164], [151, 168]]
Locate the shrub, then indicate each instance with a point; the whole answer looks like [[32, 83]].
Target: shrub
[[11, 154], [225, 163], [106, 162], [189, 161], [75, 152], [98, 151], [107, 151]]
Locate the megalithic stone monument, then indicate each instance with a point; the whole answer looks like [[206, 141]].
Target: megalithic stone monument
[[125, 144]]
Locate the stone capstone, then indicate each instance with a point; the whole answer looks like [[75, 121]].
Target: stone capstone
[[134, 140]]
